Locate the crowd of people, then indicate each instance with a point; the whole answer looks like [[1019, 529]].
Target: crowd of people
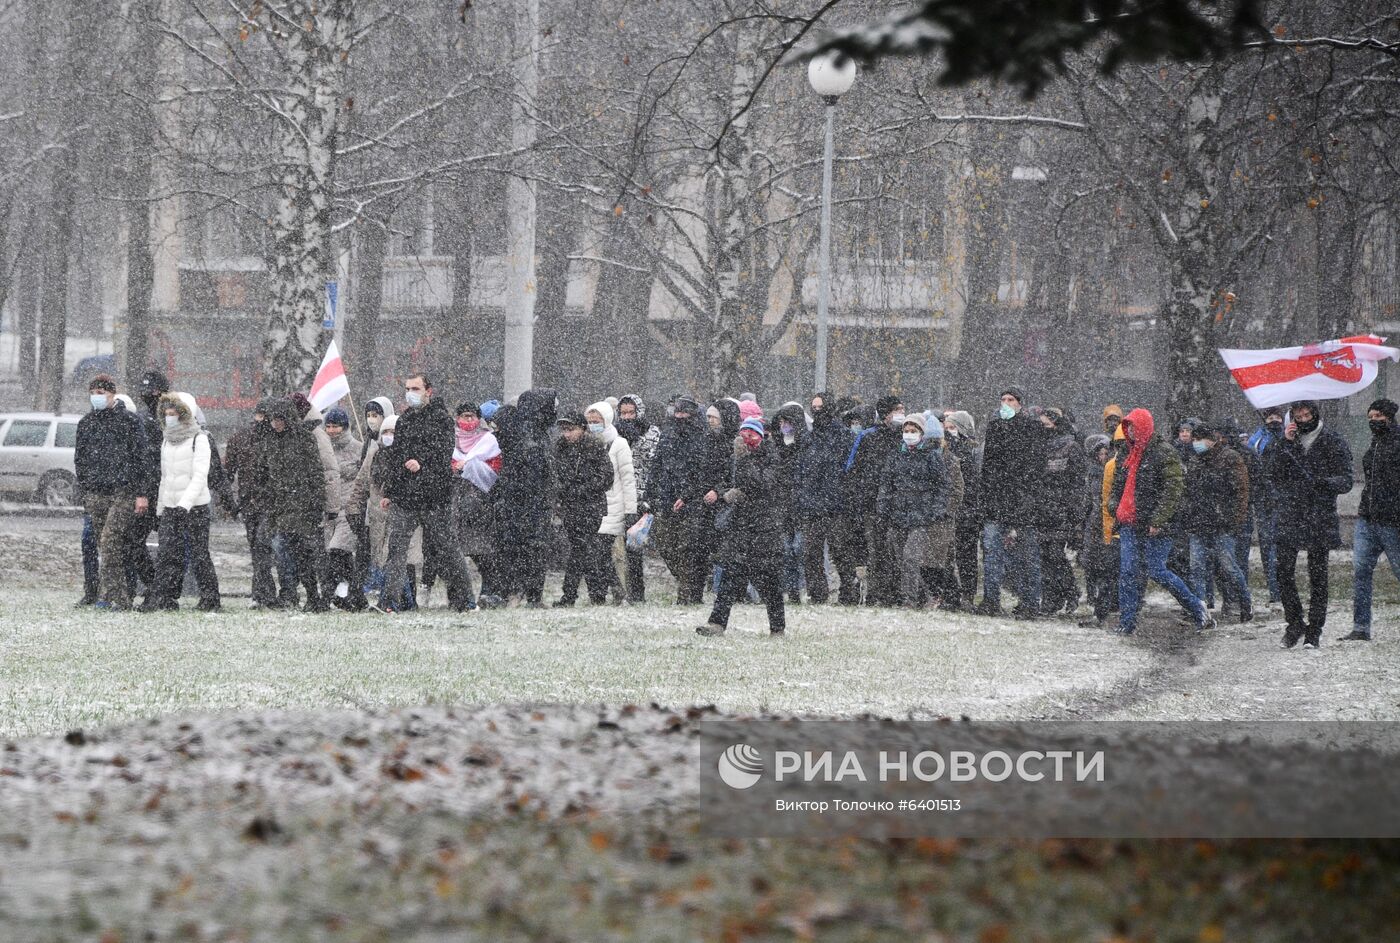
[[908, 507]]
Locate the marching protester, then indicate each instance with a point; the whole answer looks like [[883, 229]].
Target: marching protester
[[1215, 509], [183, 507], [1013, 462], [112, 467], [1309, 468], [289, 489], [622, 495], [788, 434], [642, 436], [1265, 499], [1112, 416], [1378, 519], [690, 463], [1061, 515], [476, 463], [749, 538], [1147, 486], [585, 475], [914, 496], [370, 517], [872, 453], [524, 496], [961, 430], [342, 541], [418, 494], [1099, 556], [820, 496]]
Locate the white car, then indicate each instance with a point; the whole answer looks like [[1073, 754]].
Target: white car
[[36, 457]]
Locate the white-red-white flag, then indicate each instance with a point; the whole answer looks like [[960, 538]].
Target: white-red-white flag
[[330, 384], [1326, 370]]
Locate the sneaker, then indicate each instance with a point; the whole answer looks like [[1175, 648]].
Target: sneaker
[[709, 630], [316, 605], [87, 600], [1291, 636], [772, 633], [1122, 631], [342, 590], [985, 608], [563, 604], [1312, 643], [1206, 625], [1091, 622], [1355, 635], [209, 606]]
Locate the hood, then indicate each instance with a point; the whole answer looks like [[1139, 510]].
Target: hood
[[284, 409], [1095, 442], [386, 406], [966, 425], [389, 425], [729, 417], [1113, 409], [801, 412], [184, 403], [154, 385], [793, 413], [637, 402], [1143, 425], [312, 416], [604, 409], [126, 401], [918, 419], [537, 408]]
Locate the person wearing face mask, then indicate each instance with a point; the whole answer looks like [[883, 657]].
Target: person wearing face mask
[[642, 436], [524, 496], [239, 460], [962, 441], [1264, 499], [585, 476], [109, 460], [1310, 468], [1148, 484], [342, 539], [622, 495], [819, 489], [1378, 517], [1061, 513], [290, 490], [366, 505], [691, 463], [418, 491], [864, 473], [1013, 464], [914, 496], [1215, 509], [476, 463], [787, 432], [1099, 554], [749, 548], [183, 507]]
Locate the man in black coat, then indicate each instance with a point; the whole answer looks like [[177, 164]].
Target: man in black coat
[[418, 492], [1214, 509], [524, 493], [1310, 468], [872, 454], [585, 473], [110, 461], [1013, 463], [690, 467], [1378, 520], [821, 500]]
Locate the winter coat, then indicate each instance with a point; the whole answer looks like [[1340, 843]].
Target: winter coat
[[943, 533], [969, 455], [364, 503], [1307, 483], [1013, 464], [915, 488], [348, 450], [1062, 485], [1216, 501], [1160, 483], [868, 468], [784, 459], [289, 483], [325, 456], [690, 461], [622, 494], [424, 434], [110, 455], [474, 516], [184, 460], [585, 473], [1380, 495], [753, 537], [524, 491], [819, 485]]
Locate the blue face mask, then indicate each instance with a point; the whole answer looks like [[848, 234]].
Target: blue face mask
[[1006, 412], [1200, 447], [413, 398], [596, 428], [98, 400]]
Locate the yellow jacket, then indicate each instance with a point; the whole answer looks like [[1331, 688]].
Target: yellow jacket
[[1109, 524]]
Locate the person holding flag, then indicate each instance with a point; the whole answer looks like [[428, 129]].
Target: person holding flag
[[1309, 468]]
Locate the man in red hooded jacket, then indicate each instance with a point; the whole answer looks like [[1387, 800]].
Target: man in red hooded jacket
[[1147, 488]]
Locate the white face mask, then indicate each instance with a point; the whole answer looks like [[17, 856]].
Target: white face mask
[[98, 400], [912, 438], [1007, 411], [387, 439], [413, 398], [856, 427], [897, 420], [172, 421], [374, 422]]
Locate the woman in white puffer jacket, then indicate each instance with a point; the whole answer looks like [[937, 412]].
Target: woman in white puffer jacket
[[182, 504], [622, 496]]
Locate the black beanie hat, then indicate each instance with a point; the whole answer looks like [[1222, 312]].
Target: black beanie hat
[[1386, 407], [885, 405], [1016, 392]]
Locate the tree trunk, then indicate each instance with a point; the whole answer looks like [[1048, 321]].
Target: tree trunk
[[53, 327], [302, 257], [520, 209], [983, 360], [622, 307], [140, 264], [1191, 356], [27, 310], [362, 364]]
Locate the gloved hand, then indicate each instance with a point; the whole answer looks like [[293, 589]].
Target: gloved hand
[[332, 516], [733, 496], [630, 520]]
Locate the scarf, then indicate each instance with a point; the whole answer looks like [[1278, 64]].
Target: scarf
[[183, 432], [1141, 422], [481, 457]]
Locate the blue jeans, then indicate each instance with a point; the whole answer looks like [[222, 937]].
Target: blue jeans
[[1220, 548], [1368, 543], [1143, 558], [1025, 557]]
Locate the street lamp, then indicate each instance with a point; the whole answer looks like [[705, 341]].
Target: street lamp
[[831, 76]]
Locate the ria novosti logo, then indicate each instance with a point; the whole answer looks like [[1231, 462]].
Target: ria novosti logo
[[740, 766]]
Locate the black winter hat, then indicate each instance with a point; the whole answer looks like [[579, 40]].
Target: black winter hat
[[1015, 391], [686, 404], [885, 405], [572, 417], [468, 407], [1386, 407]]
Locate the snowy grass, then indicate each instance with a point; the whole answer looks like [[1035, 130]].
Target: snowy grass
[[62, 668]]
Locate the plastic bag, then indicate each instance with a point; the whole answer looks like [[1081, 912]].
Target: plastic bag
[[639, 533]]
